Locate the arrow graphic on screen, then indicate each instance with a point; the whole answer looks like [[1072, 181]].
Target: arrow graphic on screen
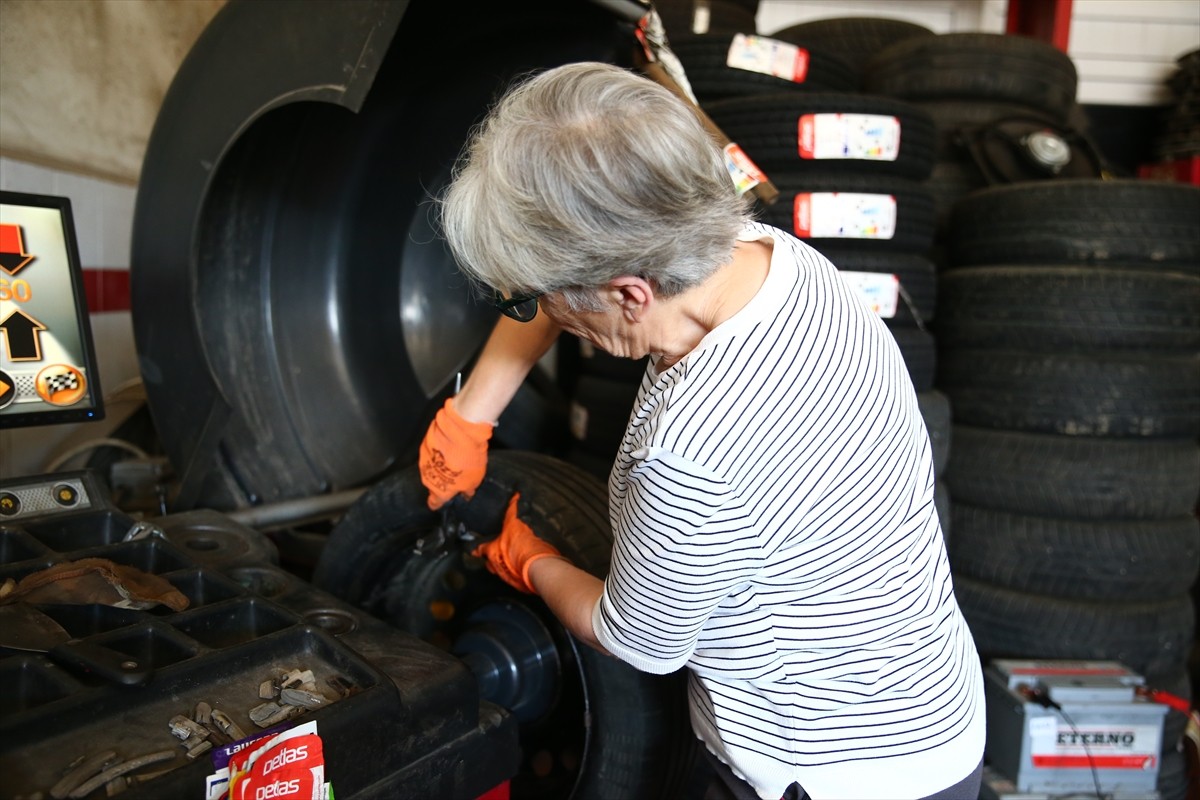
[[13, 257], [22, 336]]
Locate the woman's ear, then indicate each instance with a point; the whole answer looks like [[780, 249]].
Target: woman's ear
[[635, 295]]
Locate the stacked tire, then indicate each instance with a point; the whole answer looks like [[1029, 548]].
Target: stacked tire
[[1069, 334], [856, 40], [854, 192], [987, 94], [849, 167]]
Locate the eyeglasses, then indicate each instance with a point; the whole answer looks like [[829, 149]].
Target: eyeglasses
[[521, 307]]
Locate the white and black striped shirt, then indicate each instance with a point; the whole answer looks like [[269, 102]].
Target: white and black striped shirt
[[775, 531]]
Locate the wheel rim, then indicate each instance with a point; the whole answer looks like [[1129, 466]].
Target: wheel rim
[[521, 656]]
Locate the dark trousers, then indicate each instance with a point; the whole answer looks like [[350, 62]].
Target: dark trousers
[[727, 786]]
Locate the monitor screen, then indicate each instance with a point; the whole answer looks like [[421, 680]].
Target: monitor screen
[[47, 363]]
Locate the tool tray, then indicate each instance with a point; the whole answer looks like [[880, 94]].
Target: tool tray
[[404, 718]]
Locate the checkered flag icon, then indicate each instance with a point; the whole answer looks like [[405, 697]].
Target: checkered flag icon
[[60, 383]]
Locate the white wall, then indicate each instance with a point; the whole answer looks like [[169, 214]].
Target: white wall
[[1124, 50], [941, 16]]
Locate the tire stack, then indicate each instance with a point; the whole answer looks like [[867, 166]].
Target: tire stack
[[986, 92], [1069, 333], [856, 40], [849, 167], [868, 213]]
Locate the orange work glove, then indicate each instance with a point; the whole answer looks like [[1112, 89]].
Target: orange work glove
[[510, 554], [453, 455]]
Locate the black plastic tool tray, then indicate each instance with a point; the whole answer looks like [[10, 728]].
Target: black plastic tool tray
[[413, 725]]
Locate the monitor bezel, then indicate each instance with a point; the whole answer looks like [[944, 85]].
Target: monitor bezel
[[74, 414]]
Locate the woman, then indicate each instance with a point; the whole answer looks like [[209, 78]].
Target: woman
[[772, 499]]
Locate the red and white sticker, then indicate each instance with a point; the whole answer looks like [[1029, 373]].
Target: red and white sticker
[[844, 215], [768, 57], [867, 137], [879, 291], [1059, 746], [744, 172], [290, 766]]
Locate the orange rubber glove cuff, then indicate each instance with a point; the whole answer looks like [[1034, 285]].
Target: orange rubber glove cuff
[[510, 555], [453, 456]]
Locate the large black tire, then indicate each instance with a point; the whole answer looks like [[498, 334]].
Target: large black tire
[[298, 319], [1111, 394], [1125, 223], [979, 66], [856, 39], [704, 60], [1077, 477], [767, 127], [1054, 308], [1151, 638], [1108, 560], [914, 209], [632, 727]]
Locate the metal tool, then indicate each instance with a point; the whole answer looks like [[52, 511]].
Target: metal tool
[[446, 531], [118, 770], [24, 627]]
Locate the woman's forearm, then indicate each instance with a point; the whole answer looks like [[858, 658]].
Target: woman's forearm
[[512, 349], [571, 594]]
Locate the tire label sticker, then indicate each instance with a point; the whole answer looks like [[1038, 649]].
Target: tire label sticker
[[870, 137], [768, 57], [844, 215], [744, 172], [880, 291], [1061, 746]]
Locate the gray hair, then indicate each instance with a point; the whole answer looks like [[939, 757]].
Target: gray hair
[[584, 173]]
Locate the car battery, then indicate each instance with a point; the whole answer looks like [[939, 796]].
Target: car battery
[[397, 716], [1060, 727]]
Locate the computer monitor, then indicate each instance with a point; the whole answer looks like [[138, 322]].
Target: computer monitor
[[47, 362]]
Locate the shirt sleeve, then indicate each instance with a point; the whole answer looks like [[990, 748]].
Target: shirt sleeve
[[682, 541]]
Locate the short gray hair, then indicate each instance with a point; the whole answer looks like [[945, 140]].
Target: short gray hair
[[584, 173]]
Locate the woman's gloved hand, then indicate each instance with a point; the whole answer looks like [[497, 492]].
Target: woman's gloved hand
[[510, 554], [453, 455]]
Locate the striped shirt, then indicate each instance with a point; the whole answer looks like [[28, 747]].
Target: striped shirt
[[775, 531]]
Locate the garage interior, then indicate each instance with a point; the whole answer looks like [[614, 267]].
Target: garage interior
[[225, 537]]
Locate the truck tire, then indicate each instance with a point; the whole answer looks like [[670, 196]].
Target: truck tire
[[607, 731]]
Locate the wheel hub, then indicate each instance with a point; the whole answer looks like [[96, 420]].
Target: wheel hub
[[513, 657]]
